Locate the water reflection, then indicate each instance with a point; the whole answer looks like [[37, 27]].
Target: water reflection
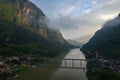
[[55, 72], [71, 73]]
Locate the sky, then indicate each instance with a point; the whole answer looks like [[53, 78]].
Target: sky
[[76, 18]]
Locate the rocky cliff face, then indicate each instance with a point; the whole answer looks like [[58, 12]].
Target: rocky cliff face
[[23, 30], [106, 41], [26, 13]]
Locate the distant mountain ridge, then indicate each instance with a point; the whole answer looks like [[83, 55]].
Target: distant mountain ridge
[[106, 41], [83, 39], [75, 43]]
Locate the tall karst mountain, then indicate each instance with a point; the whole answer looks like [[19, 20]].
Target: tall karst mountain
[[24, 26], [106, 41], [26, 13]]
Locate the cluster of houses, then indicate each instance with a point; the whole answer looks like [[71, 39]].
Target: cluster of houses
[[113, 64], [10, 64], [101, 64]]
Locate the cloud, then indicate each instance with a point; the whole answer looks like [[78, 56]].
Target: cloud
[[65, 22], [112, 23], [79, 17], [106, 17], [94, 3]]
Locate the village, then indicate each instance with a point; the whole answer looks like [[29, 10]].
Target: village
[[113, 64], [100, 64], [11, 66], [103, 68]]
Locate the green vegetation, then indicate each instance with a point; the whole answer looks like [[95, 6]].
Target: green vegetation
[[16, 40], [105, 74], [112, 48], [109, 50], [106, 41], [97, 72], [19, 37], [14, 71], [8, 11]]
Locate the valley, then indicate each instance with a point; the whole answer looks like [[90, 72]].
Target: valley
[[53, 40]]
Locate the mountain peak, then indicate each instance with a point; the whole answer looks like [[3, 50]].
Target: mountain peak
[[119, 15]]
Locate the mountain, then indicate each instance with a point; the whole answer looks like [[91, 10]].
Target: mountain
[[24, 29], [75, 43], [25, 13], [83, 39], [106, 41]]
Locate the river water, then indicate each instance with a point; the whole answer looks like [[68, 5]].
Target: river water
[[55, 72]]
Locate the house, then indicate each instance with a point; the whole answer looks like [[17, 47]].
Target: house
[[98, 55], [2, 63]]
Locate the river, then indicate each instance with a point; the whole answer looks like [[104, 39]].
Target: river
[[55, 72]]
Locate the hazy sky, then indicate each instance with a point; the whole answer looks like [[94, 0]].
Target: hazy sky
[[77, 18]]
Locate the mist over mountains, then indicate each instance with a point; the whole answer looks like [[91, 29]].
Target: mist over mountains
[[83, 39], [106, 41]]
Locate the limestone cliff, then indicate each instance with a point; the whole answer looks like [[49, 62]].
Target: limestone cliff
[[26, 13]]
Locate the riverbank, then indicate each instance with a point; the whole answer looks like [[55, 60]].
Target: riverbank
[[100, 69], [12, 66], [55, 72], [40, 66]]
